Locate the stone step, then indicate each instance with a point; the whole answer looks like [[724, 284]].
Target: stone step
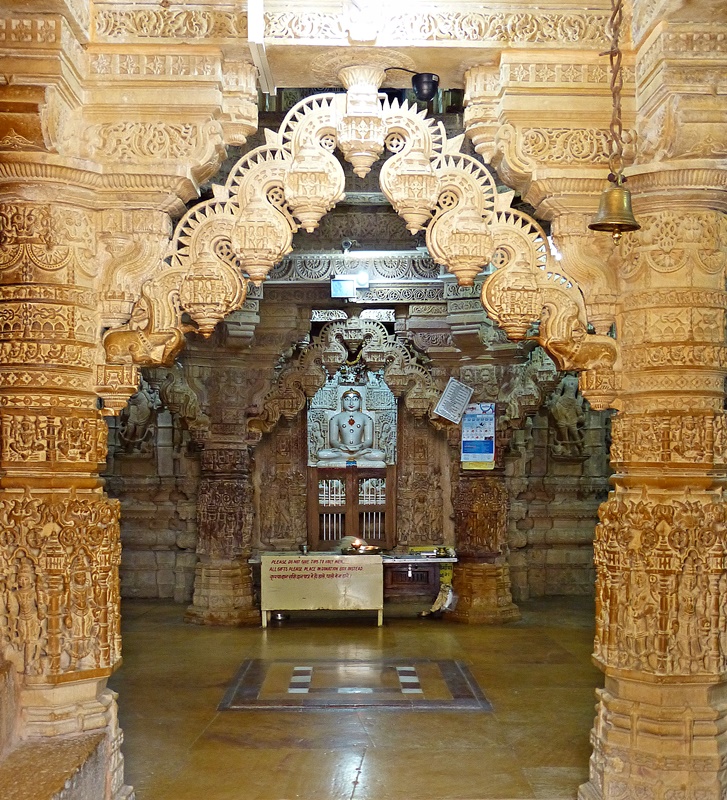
[[63, 768]]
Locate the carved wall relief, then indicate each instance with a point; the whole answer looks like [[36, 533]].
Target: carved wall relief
[[661, 585], [224, 504], [60, 589], [280, 484], [423, 485], [480, 517]]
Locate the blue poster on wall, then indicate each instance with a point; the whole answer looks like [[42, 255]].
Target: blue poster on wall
[[478, 436]]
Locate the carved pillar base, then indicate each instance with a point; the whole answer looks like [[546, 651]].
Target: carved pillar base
[[654, 739], [223, 594], [484, 594], [72, 711]]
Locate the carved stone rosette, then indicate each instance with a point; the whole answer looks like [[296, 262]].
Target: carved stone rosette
[[223, 580]]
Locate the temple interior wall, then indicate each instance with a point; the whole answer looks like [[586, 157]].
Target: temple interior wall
[[553, 500], [157, 485], [553, 508]]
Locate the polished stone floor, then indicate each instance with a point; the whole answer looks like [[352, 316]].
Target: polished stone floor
[[536, 673]]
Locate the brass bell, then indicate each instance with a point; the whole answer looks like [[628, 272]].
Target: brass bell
[[614, 214]]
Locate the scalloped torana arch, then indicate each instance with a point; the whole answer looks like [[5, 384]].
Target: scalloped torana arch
[[294, 179]]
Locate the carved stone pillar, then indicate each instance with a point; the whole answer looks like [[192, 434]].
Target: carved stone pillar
[[660, 548], [661, 629], [661, 626], [223, 581], [59, 533], [482, 575]]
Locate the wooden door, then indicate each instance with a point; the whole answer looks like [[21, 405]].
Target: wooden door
[[351, 501]]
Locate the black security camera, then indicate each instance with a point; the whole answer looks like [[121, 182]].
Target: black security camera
[[424, 84]]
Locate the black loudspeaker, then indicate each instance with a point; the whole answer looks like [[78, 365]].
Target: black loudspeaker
[[425, 85]]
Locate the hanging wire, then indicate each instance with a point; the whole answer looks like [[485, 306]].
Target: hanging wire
[[615, 159]]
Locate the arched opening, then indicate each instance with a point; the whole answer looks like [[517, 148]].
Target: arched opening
[[446, 325]]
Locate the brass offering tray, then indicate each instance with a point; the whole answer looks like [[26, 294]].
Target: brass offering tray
[[364, 550]]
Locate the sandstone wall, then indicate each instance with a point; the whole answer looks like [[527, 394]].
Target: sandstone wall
[[157, 487], [553, 508]]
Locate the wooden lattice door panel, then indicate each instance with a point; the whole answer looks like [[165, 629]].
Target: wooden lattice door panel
[[351, 502]]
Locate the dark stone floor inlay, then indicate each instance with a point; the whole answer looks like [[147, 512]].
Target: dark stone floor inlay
[[415, 684]]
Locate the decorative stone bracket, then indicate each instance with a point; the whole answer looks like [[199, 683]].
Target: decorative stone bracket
[[527, 288]]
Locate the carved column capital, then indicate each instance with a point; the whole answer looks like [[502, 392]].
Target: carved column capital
[[678, 120], [182, 103], [543, 123]]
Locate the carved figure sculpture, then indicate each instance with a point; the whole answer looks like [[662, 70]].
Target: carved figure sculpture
[[141, 341], [25, 608], [566, 409], [136, 429], [24, 440], [178, 396], [351, 435], [80, 617]]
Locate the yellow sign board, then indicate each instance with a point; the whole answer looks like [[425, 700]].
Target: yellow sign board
[[291, 582]]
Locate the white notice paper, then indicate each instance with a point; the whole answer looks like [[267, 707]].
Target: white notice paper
[[454, 400]]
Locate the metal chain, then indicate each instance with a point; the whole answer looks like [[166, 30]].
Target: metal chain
[[615, 160]]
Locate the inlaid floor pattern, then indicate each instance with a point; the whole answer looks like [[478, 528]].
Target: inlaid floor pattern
[[533, 744], [414, 684]]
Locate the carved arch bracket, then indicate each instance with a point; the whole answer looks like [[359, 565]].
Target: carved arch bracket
[[529, 287], [294, 179]]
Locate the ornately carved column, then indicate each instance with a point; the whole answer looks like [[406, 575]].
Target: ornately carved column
[[223, 581], [660, 549], [482, 574], [59, 533], [661, 626]]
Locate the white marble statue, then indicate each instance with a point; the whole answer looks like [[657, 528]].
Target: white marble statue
[[351, 436]]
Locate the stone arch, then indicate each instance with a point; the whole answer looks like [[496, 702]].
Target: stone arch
[[292, 180]]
